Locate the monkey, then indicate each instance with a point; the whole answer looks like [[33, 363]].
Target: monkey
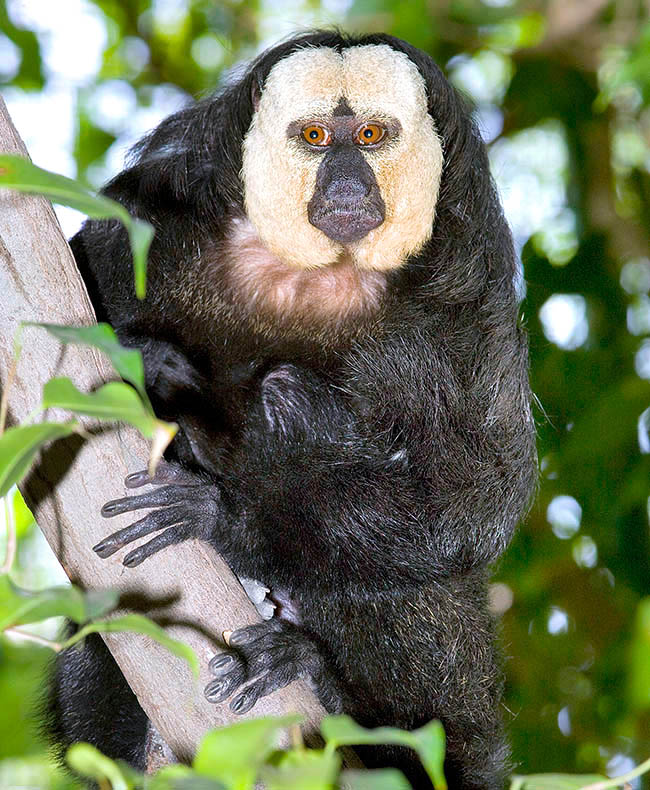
[[332, 319]]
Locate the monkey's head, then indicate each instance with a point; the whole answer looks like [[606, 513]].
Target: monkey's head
[[342, 158]]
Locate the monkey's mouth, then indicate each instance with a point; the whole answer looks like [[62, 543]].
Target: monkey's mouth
[[346, 224]]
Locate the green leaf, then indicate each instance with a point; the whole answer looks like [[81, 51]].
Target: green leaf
[[180, 777], [137, 623], [23, 516], [235, 754], [381, 779], [517, 32], [554, 781], [20, 445], [639, 661], [126, 361], [18, 606], [430, 746], [113, 401], [303, 769], [344, 731], [17, 172], [91, 763], [140, 236], [428, 741]]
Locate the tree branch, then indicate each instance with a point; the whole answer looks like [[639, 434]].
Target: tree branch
[[39, 282]]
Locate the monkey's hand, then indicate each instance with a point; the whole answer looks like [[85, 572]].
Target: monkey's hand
[[187, 503], [268, 656]]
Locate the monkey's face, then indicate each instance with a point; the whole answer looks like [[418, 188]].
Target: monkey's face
[[342, 158]]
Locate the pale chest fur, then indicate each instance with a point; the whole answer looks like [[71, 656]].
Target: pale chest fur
[[257, 282]]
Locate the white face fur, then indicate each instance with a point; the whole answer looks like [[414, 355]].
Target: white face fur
[[279, 172]]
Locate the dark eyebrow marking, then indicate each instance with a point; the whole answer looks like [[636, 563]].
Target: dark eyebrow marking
[[342, 108]]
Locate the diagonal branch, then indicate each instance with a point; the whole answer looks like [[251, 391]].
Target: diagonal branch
[[39, 282]]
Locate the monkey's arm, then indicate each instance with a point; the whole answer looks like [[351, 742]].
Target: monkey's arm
[[399, 465]]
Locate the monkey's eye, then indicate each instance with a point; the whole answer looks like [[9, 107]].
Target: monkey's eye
[[315, 134], [369, 134]]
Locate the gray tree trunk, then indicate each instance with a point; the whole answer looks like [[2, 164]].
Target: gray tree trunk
[[39, 282]]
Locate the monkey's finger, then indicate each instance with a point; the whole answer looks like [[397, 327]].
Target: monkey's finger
[[276, 679], [220, 689], [166, 474], [170, 536], [169, 495], [152, 522], [252, 633], [223, 663]]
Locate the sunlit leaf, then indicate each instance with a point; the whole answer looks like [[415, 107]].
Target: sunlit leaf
[[126, 361], [235, 754], [23, 516], [163, 433], [303, 769], [553, 781], [430, 746], [17, 172], [91, 763], [20, 445], [140, 236], [18, 606], [180, 777], [136, 623], [428, 741], [344, 731], [381, 779], [113, 401], [639, 667]]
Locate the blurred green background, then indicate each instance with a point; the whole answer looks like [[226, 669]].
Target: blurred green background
[[561, 90]]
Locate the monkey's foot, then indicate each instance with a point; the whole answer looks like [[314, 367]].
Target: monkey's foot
[[266, 656], [187, 505]]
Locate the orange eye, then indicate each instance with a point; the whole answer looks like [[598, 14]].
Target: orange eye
[[316, 135], [370, 134]]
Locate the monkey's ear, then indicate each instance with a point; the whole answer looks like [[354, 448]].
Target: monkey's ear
[[256, 93]]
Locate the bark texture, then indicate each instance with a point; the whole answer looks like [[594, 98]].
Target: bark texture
[[187, 588]]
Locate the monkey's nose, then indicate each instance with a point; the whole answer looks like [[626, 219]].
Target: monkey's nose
[[347, 190]]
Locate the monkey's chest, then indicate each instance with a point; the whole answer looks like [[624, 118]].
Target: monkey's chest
[[246, 288]]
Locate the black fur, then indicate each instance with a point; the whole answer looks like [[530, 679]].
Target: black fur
[[370, 475]]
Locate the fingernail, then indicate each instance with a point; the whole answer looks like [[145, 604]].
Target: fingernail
[[240, 637], [214, 691], [220, 661], [132, 559], [136, 479], [242, 703]]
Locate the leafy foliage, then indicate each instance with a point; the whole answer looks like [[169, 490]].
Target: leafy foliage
[[19, 173], [20, 445], [239, 756]]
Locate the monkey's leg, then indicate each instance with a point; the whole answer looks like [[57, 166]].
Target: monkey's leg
[[89, 700]]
